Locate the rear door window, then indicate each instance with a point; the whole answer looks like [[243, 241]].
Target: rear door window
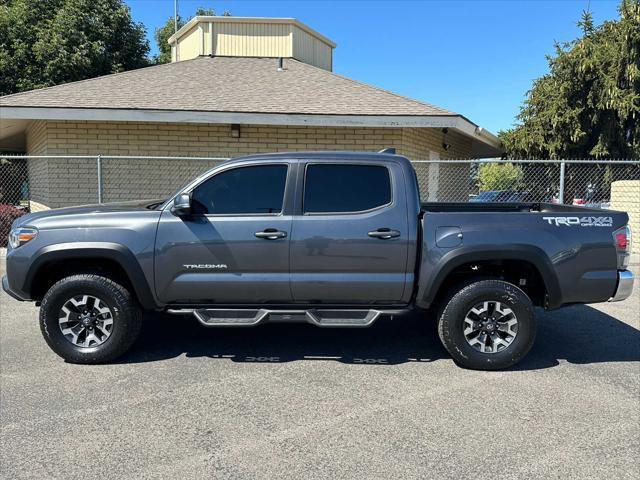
[[337, 188]]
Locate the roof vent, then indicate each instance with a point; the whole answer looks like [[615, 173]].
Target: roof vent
[[280, 64], [388, 150]]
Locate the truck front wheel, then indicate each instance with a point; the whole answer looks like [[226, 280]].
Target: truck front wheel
[[488, 325], [89, 318]]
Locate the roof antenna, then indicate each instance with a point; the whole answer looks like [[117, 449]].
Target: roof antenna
[[175, 16], [388, 150], [280, 64]]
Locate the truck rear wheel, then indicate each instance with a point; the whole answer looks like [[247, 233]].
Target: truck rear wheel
[[89, 319], [488, 325]]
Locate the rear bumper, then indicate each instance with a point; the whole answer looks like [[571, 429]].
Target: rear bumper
[[12, 293], [625, 286]]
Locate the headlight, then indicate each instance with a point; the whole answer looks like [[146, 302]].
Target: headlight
[[21, 235]]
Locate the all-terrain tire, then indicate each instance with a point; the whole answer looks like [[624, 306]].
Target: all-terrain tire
[[451, 324], [125, 312]]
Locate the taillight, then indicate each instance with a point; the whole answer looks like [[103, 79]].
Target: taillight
[[622, 241]]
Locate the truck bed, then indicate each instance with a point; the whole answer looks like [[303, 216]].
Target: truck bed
[[571, 246]]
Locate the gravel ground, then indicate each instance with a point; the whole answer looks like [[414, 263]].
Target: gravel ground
[[295, 401]]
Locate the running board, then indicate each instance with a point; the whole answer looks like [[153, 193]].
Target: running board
[[220, 317]]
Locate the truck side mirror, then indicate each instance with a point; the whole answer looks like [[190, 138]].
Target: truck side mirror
[[181, 205]]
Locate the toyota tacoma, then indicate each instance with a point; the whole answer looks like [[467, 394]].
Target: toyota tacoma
[[334, 239]]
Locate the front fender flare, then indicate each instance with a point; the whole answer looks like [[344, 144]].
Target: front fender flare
[[107, 250]]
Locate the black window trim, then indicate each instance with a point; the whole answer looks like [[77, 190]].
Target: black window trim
[[353, 164], [247, 165]]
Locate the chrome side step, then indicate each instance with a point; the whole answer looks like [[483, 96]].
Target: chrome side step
[[222, 317]]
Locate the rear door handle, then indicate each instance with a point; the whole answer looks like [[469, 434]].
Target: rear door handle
[[384, 233], [271, 234]]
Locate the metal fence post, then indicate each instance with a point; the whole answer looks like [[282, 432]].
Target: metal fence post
[[561, 190], [99, 165]]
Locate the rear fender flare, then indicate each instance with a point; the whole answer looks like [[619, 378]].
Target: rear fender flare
[[455, 258]]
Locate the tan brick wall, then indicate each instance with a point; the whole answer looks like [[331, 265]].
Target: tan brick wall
[[70, 182], [147, 178], [625, 196], [38, 168], [417, 143], [37, 138], [441, 182]]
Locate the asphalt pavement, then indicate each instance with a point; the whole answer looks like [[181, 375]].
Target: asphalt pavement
[[299, 402]]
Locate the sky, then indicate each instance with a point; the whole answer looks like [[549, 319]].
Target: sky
[[474, 57]]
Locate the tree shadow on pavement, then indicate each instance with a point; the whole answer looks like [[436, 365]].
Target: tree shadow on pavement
[[577, 334]]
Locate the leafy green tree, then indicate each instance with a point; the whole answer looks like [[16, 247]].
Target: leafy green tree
[[162, 34], [499, 176], [47, 42], [588, 105]]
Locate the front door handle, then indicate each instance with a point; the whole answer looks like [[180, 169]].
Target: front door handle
[[384, 233], [271, 234]]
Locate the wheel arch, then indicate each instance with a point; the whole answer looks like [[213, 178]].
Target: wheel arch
[[454, 260], [100, 253]]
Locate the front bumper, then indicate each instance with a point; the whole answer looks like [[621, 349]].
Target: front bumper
[[11, 293], [625, 286]]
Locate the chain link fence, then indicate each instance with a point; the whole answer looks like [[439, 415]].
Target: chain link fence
[[14, 194], [138, 178], [578, 182], [32, 183]]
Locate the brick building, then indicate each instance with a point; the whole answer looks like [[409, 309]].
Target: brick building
[[235, 86]]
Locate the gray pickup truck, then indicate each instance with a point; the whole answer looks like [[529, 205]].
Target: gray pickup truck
[[333, 239]]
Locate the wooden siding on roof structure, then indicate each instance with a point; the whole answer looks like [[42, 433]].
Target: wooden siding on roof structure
[[311, 50], [252, 39], [190, 45]]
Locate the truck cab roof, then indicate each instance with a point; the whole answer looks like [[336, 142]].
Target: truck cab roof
[[321, 156]]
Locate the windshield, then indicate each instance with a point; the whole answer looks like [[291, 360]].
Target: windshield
[[185, 184], [156, 205], [173, 194]]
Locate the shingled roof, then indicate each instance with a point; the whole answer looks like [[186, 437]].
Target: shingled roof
[[228, 90], [227, 84]]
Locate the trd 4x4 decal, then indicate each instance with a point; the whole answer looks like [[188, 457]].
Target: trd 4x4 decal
[[580, 221]]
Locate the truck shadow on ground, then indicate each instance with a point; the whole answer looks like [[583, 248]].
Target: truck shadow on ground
[[578, 334]]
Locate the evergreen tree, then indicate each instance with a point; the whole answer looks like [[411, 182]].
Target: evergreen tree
[[588, 105]]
